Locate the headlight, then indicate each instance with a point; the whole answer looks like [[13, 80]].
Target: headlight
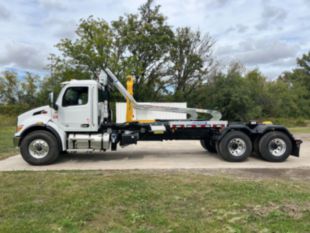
[[19, 128]]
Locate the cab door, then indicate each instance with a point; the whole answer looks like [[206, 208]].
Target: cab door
[[75, 110]]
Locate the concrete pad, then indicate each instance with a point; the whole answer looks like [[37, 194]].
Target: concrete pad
[[157, 155]]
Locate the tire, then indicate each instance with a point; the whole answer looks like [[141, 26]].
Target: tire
[[206, 144], [39, 148], [275, 146], [236, 146]]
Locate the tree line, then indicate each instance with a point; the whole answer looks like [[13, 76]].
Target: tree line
[[169, 65]]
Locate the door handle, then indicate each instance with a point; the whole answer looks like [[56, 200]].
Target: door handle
[[84, 125]]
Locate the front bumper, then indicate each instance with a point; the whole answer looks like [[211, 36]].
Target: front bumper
[[16, 140]]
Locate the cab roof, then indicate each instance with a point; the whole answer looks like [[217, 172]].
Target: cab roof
[[80, 82]]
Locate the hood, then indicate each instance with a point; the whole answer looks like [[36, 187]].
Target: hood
[[44, 110]]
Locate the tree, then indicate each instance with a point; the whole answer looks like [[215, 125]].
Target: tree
[[191, 62], [146, 38], [142, 44], [298, 84], [88, 53], [304, 63], [257, 85], [29, 89], [284, 100], [9, 88], [238, 95], [135, 44]]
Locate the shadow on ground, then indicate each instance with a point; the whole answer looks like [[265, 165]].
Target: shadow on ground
[[139, 155]]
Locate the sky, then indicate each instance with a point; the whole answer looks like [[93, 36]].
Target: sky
[[268, 35]]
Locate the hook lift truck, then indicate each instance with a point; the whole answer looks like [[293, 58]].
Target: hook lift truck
[[80, 121]]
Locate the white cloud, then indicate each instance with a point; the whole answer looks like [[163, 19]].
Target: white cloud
[[284, 63], [4, 12], [266, 51], [263, 34], [265, 54], [52, 4], [23, 56], [271, 15], [61, 28]]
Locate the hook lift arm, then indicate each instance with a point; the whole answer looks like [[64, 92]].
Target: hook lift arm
[[193, 112]]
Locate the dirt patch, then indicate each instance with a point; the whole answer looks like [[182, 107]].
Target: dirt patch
[[294, 211], [259, 173]]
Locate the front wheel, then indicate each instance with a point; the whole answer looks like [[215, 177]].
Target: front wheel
[[236, 146], [275, 146], [39, 148]]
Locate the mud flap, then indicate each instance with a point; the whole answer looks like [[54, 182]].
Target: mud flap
[[296, 147]]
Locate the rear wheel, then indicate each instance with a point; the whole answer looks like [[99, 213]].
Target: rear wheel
[[236, 146], [207, 145], [39, 148], [275, 146]]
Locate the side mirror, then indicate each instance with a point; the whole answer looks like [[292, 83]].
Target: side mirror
[[51, 101]]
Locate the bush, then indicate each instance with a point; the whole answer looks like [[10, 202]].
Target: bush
[[290, 122], [13, 109]]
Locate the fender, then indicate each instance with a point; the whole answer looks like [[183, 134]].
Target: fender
[[262, 129], [257, 130], [62, 136], [42, 122], [240, 127], [29, 122]]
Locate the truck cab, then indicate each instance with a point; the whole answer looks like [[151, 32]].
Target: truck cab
[[82, 106]]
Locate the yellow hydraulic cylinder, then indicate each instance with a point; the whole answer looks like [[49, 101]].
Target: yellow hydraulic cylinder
[[129, 107]]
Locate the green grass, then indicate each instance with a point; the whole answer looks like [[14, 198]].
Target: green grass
[[7, 130], [6, 120], [290, 122], [300, 129], [92, 201]]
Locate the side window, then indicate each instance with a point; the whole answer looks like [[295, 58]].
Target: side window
[[75, 96]]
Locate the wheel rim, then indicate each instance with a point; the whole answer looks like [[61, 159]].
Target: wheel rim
[[237, 147], [38, 148], [277, 147]]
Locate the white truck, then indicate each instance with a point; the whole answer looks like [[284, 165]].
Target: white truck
[[80, 121]]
